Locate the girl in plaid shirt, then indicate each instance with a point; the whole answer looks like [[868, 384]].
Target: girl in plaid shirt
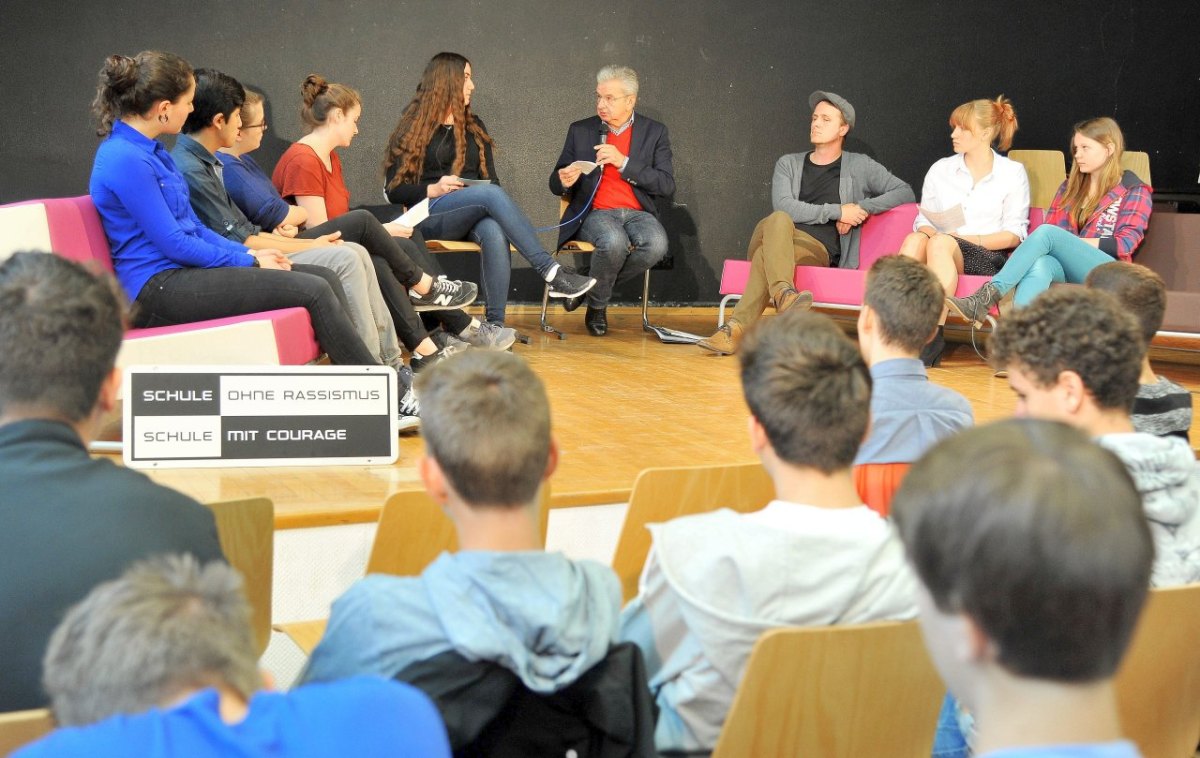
[[1099, 214]]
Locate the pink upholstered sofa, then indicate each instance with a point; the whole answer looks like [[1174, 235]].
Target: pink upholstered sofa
[[843, 288], [70, 226]]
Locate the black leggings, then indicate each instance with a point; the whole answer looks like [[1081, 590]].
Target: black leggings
[[185, 295]]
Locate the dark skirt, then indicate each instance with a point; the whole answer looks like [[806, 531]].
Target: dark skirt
[[979, 261]]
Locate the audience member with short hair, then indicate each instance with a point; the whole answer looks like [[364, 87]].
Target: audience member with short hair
[[67, 520], [814, 556], [1161, 407], [1034, 562], [500, 598], [160, 662], [909, 413], [1074, 355], [821, 198]]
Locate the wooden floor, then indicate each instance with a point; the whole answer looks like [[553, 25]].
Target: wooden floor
[[620, 404]]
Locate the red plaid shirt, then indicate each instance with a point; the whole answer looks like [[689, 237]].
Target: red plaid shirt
[[1119, 221]]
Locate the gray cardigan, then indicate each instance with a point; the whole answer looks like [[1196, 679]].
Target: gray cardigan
[[863, 181]]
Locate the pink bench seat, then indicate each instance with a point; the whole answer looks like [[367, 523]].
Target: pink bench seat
[[72, 227], [882, 235]]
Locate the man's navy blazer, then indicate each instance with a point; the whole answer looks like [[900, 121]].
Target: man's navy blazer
[[648, 172]]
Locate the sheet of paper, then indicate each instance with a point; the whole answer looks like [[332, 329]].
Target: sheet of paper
[[586, 167], [945, 221], [414, 215]]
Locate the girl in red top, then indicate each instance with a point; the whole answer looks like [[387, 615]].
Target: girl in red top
[[310, 174]]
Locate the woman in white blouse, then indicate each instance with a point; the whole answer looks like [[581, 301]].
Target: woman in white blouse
[[980, 201]]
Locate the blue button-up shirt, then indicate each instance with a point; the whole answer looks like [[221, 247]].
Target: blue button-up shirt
[[909, 413], [143, 203]]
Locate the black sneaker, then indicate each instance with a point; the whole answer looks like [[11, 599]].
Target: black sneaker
[[567, 283], [444, 295], [447, 341], [408, 416], [421, 362]]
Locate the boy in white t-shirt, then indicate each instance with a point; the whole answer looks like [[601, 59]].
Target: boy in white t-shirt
[[814, 556]]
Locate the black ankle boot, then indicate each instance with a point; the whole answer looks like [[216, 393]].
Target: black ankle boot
[[931, 354]]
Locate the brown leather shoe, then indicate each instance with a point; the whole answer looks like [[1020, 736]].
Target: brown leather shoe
[[725, 340], [789, 298]]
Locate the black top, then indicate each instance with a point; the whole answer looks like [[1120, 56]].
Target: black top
[[439, 162], [821, 185], [68, 522]]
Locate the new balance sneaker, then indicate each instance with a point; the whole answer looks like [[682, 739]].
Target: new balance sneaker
[[445, 294], [567, 283], [489, 336]]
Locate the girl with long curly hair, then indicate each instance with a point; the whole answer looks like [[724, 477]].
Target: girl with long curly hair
[[438, 144]]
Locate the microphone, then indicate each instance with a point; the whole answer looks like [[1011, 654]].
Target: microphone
[[604, 130]]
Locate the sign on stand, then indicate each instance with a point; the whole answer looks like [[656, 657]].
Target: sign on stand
[[197, 416]]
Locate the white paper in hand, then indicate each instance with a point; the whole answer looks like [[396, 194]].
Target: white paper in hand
[[586, 167], [948, 220], [414, 215]]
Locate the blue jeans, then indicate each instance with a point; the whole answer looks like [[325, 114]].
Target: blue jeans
[[488, 216], [628, 243], [1049, 254], [948, 741]]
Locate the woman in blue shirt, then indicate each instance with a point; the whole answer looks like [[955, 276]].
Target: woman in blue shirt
[[173, 268]]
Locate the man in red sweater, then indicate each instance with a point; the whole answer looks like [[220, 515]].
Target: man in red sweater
[[614, 206]]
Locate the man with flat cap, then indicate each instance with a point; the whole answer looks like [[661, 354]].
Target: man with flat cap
[[820, 198]]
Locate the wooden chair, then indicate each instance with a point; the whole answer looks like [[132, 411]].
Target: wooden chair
[[661, 494], [246, 529], [1047, 169], [19, 728], [579, 246], [836, 691], [412, 532], [1138, 163], [1158, 684], [877, 484]]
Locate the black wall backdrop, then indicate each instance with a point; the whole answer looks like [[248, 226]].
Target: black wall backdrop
[[730, 80]]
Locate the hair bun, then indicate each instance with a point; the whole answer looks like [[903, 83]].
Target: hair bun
[[120, 72], [313, 86]]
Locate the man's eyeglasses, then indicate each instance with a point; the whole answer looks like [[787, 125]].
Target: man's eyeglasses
[[262, 126], [609, 99]]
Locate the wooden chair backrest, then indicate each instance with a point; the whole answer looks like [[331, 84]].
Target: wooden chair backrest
[[1047, 169], [877, 484], [1158, 684], [413, 531], [246, 529], [19, 728], [836, 691], [572, 246], [1137, 162], [661, 494]]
